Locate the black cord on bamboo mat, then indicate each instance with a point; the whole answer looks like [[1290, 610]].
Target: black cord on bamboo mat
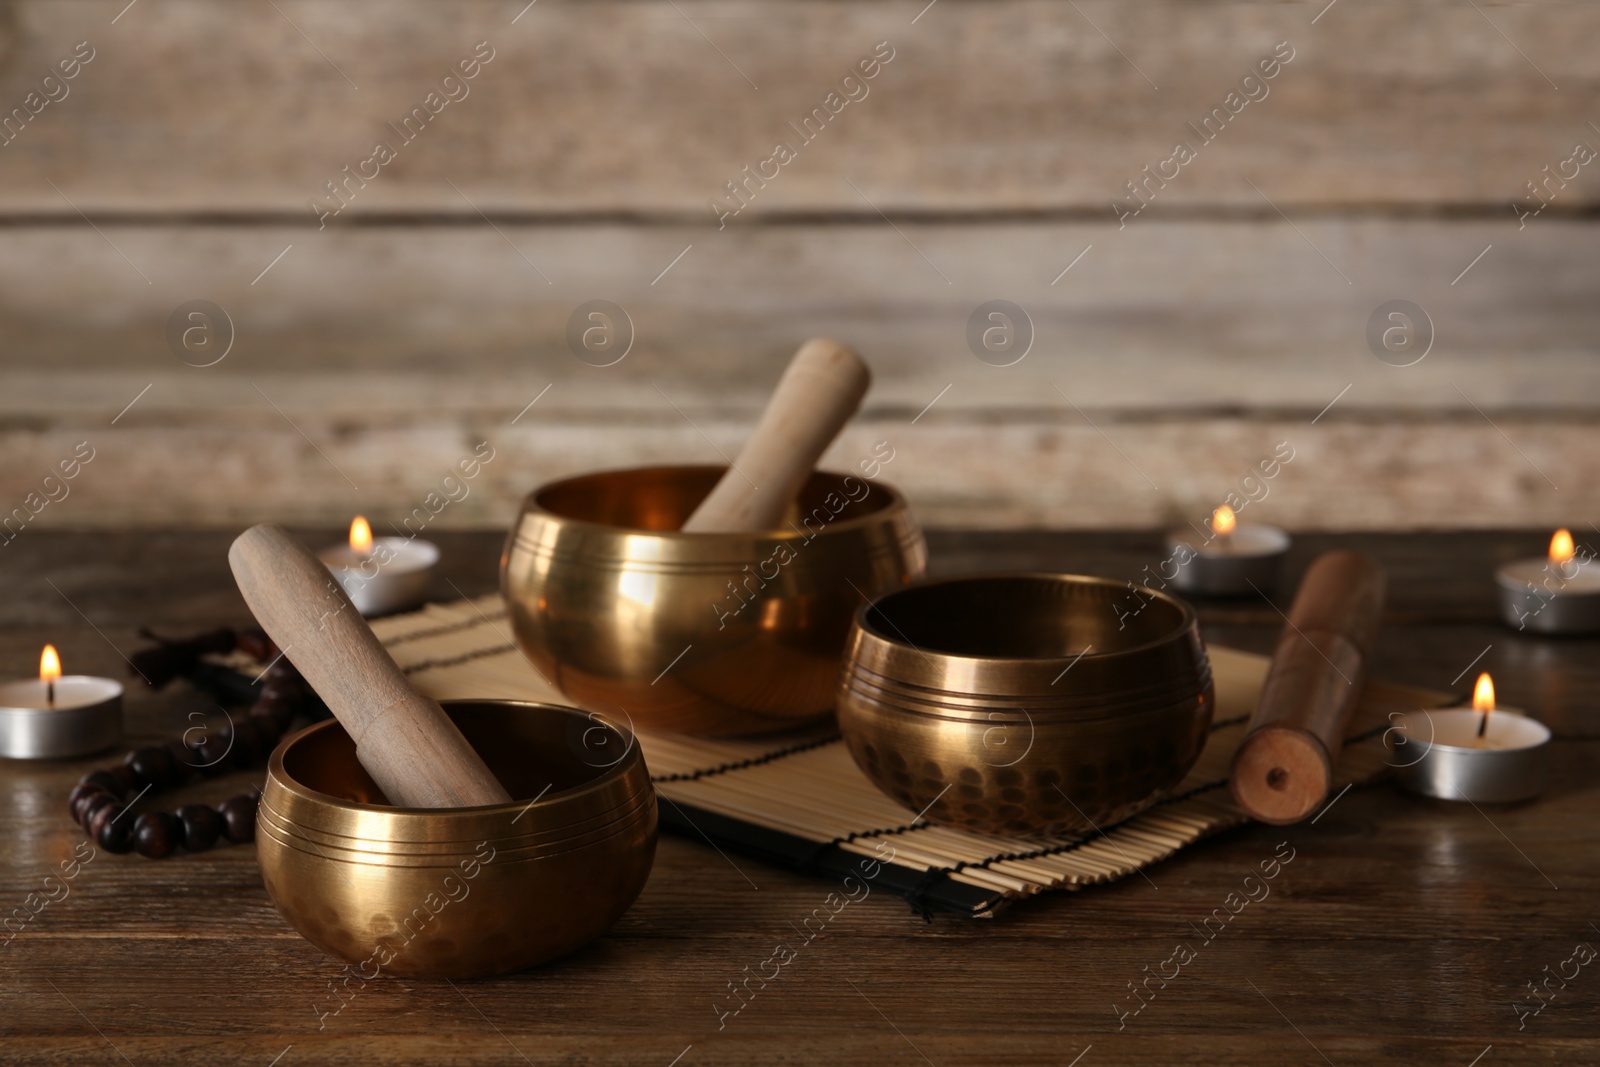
[[918, 904], [446, 628], [753, 761], [457, 660], [804, 856]]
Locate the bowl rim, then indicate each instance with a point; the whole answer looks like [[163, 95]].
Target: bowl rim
[[896, 506], [277, 774], [1188, 619]]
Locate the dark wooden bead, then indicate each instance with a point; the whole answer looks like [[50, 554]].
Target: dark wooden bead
[[105, 813], [81, 792], [152, 766], [285, 680], [156, 834], [213, 755], [183, 760], [283, 704], [105, 780], [89, 806], [110, 832], [278, 691], [256, 645], [239, 813], [283, 674], [125, 778], [201, 826], [278, 712]]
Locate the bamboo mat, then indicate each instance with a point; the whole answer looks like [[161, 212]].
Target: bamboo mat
[[800, 800]]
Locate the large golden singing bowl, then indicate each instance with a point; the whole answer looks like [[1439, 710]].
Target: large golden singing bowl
[[715, 634], [1025, 704], [460, 892]]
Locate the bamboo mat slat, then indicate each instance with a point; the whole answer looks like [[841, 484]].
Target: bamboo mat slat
[[789, 794]]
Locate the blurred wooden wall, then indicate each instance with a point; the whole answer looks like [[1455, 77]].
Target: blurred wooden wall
[[1386, 158]]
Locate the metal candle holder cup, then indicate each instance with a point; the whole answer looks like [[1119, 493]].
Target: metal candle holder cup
[[1020, 704], [87, 719], [716, 634], [1438, 754], [461, 892]]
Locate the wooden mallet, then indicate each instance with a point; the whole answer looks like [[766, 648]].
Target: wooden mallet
[[817, 395], [1283, 769], [404, 740]]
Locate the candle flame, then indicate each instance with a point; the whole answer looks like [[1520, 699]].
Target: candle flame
[[49, 664], [1223, 521], [1561, 549], [1483, 694], [360, 535]]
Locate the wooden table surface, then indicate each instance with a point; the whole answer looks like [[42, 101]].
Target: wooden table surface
[[1404, 930]]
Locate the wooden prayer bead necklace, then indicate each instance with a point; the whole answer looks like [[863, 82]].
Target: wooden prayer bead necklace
[[96, 802]]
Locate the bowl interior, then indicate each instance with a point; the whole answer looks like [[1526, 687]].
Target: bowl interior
[[661, 498], [1025, 616], [532, 749]]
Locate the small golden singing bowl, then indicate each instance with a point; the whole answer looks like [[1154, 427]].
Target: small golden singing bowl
[[715, 634], [461, 892], [1025, 704]]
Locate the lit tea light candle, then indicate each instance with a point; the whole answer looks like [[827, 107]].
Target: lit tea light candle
[[384, 574], [1485, 755], [1237, 559], [58, 716], [1559, 594]]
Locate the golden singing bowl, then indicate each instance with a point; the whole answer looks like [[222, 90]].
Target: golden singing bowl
[[716, 634], [1025, 704], [461, 892]]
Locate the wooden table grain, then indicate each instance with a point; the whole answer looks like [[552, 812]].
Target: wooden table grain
[[1403, 931]]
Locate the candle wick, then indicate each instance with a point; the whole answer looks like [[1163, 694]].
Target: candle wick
[[1483, 723], [50, 692]]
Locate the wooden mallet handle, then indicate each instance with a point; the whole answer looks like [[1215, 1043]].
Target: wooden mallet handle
[[1283, 769], [404, 740], [817, 395]]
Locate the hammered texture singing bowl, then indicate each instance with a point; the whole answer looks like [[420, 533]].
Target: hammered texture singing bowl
[[461, 892], [712, 634], [1024, 704]]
